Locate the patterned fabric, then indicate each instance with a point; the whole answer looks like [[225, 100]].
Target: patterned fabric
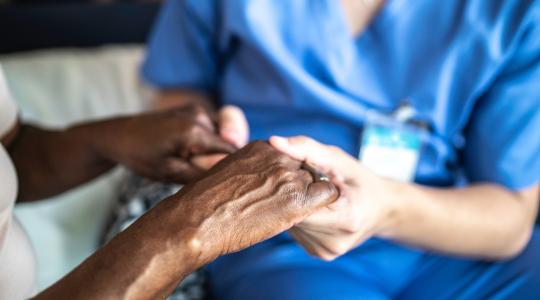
[[137, 196]]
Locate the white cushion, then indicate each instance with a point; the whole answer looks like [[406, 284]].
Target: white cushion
[[55, 88]]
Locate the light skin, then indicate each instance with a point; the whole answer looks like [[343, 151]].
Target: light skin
[[484, 221], [232, 206], [232, 125], [359, 13]]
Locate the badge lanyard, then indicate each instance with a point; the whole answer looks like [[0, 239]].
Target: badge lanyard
[[391, 144]]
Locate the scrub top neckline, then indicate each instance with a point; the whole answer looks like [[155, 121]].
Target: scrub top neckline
[[389, 8]]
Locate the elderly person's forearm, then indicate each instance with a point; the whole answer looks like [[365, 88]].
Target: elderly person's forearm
[[252, 195]]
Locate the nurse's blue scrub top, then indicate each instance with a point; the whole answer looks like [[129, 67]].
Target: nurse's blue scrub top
[[470, 68]]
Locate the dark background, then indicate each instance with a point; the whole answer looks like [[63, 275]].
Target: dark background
[[30, 25]]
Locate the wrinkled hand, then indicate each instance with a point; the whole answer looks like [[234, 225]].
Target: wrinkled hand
[[248, 197], [358, 214], [160, 145]]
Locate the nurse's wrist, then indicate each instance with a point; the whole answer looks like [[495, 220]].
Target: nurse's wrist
[[392, 196]]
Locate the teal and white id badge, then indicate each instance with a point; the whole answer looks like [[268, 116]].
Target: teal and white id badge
[[391, 148]]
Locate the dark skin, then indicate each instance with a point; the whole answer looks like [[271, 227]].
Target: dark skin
[[250, 196], [157, 145]]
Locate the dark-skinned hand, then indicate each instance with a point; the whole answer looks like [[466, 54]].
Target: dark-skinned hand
[[248, 197], [160, 145]]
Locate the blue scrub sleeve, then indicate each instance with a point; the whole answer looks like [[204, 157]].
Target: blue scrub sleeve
[[181, 52], [503, 136]]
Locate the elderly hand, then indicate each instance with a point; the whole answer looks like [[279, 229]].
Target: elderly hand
[[248, 197], [360, 212], [161, 145]]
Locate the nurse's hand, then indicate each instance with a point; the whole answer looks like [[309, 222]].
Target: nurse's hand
[[229, 120], [360, 212], [233, 127]]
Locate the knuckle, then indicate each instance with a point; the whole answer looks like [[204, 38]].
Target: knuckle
[[193, 129], [292, 190], [280, 172], [282, 159], [327, 257], [323, 253], [352, 227], [258, 143], [335, 150], [339, 248], [290, 177], [256, 146], [351, 221]]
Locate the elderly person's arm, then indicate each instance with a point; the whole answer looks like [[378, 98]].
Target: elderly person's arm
[[158, 145], [483, 220], [250, 196]]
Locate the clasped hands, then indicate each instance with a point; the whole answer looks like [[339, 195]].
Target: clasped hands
[[259, 190]]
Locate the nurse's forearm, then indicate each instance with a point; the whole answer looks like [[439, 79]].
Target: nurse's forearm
[[484, 221]]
